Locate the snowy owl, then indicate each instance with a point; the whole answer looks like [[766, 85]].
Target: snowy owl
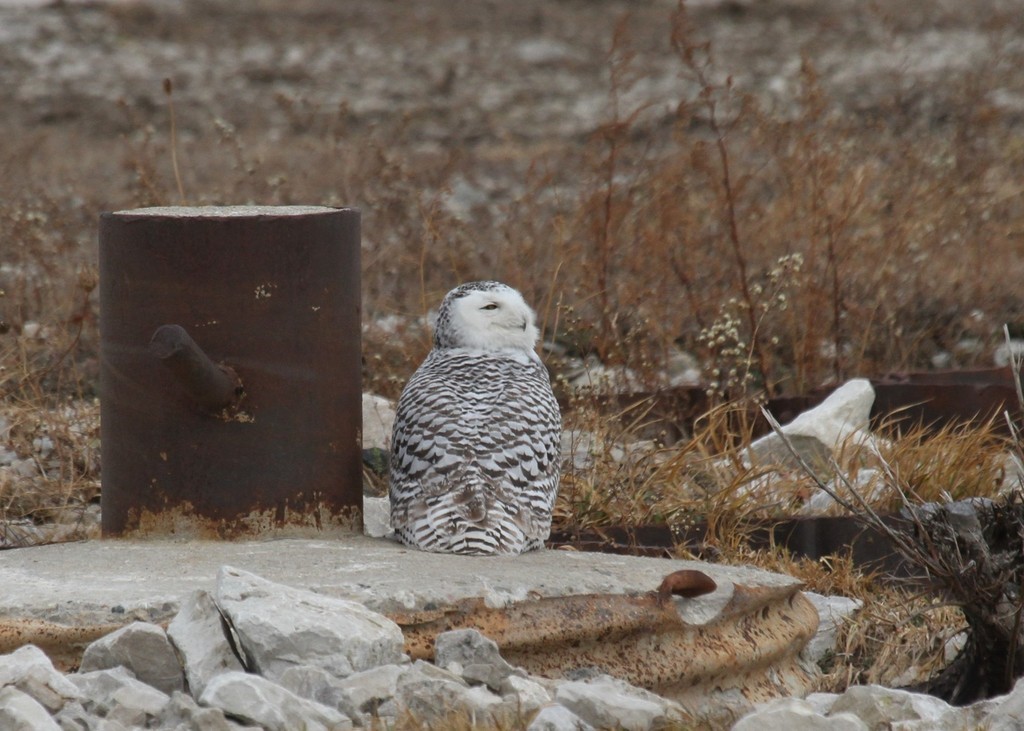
[[475, 446]]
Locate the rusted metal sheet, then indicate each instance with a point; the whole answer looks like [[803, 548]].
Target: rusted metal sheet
[[750, 645], [812, 537], [940, 398], [264, 307], [929, 398]]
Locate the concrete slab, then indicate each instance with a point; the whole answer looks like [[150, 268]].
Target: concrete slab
[[114, 581], [550, 612]]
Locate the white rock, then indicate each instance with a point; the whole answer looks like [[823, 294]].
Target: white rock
[[74, 717], [377, 517], [1008, 711], [954, 646], [280, 627], [525, 695], [21, 712], [478, 657], [318, 685], [793, 714], [869, 483], [133, 704], [878, 706], [821, 702], [841, 418], [595, 376], [683, 370], [29, 670], [116, 693], [1006, 352], [197, 631], [144, 649], [182, 712], [257, 700], [558, 718], [433, 700], [833, 611], [543, 51], [370, 689], [378, 420], [606, 702]]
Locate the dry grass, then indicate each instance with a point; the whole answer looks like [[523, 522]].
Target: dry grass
[[787, 242]]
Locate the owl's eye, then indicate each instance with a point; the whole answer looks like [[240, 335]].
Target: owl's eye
[[490, 306]]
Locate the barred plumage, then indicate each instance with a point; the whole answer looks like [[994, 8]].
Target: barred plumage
[[475, 446]]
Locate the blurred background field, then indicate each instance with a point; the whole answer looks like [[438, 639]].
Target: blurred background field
[[764, 198]]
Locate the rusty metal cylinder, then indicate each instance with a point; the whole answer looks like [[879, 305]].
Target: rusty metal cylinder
[[230, 378]]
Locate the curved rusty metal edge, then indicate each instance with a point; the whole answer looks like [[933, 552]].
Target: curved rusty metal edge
[[752, 645], [807, 536]]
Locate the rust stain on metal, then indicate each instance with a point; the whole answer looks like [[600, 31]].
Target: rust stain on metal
[[184, 521], [752, 644]]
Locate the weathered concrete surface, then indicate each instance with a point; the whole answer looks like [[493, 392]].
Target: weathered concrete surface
[[549, 611], [113, 582]]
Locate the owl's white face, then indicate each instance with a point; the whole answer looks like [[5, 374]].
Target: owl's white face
[[486, 315]]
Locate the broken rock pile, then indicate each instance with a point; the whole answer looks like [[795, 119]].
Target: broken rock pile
[[256, 654]]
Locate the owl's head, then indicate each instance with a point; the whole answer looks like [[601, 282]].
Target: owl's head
[[487, 315]]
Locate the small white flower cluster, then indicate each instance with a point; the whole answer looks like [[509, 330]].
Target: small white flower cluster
[[730, 353], [732, 356]]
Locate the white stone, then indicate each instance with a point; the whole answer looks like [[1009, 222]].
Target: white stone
[[257, 700], [594, 376], [433, 700], [29, 670], [683, 370], [793, 714], [876, 705], [197, 631], [558, 718], [1006, 352], [821, 702], [543, 51], [149, 700], [833, 611], [133, 704], [370, 689], [280, 627], [477, 657], [1008, 711], [97, 686], [954, 646], [842, 418], [21, 712], [74, 717], [318, 685], [378, 420], [144, 649], [869, 483], [116, 691], [377, 517], [606, 702], [525, 695], [182, 712]]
